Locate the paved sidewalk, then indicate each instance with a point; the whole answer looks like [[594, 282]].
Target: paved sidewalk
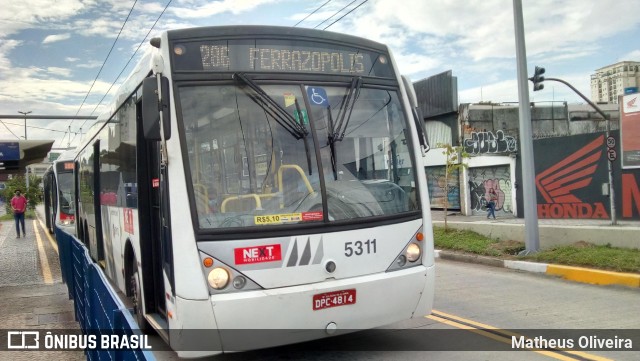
[[32, 296], [19, 262]]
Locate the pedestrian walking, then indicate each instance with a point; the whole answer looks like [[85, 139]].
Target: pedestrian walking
[[492, 198], [19, 206]]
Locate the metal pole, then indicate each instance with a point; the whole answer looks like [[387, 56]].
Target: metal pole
[[532, 241], [612, 196], [25, 122]]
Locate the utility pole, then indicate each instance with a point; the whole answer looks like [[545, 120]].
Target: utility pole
[[532, 235], [25, 122]]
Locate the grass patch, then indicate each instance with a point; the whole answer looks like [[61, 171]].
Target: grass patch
[[472, 242], [581, 254], [589, 255]]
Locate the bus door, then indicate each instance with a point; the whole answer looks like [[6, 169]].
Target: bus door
[[97, 245], [155, 242]]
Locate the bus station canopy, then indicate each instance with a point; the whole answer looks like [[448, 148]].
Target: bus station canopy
[[15, 156]]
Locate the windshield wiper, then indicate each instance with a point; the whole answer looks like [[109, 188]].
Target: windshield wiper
[[277, 112], [269, 105], [337, 130], [347, 107]]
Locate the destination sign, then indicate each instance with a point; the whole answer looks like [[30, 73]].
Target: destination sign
[[279, 56]]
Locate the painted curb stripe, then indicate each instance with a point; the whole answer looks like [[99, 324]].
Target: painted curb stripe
[[576, 274], [526, 266], [44, 262], [594, 276], [46, 233]]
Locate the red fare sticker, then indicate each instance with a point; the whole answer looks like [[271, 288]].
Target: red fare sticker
[[258, 254], [311, 216], [155, 182]]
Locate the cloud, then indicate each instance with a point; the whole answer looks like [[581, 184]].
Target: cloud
[[204, 9], [59, 71], [55, 38], [631, 56]]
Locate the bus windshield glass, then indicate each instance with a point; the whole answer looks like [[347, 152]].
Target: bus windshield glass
[[253, 158], [65, 196]]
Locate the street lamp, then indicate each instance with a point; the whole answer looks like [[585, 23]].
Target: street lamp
[[25, 122]]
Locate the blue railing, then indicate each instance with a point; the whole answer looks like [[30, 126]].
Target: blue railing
[[97, 308]]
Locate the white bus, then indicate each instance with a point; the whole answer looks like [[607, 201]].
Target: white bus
[[59, 202], [260, 178]]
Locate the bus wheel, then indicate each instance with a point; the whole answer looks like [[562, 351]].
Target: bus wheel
[[136, 299]]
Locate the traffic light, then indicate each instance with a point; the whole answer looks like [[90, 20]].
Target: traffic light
[[537, 79]]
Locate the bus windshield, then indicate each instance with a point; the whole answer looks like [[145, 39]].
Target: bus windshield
[[65, 186], [256, 153]]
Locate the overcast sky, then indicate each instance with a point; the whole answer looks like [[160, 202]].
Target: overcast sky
[[52, 52]]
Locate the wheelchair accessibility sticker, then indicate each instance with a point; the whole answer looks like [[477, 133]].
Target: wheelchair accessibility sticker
[[318, 96]]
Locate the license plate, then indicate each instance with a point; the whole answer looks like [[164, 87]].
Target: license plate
[[334, 299]]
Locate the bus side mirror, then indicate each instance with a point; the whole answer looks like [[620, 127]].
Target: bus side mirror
[[416, 114], [151, 108]]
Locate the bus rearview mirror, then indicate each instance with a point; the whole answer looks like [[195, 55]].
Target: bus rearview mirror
[[151, 109]]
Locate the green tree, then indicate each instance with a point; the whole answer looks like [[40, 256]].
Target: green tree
[[454, 162], [33, 193]]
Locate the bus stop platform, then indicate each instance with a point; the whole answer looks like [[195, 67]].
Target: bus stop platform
[[32, 295]]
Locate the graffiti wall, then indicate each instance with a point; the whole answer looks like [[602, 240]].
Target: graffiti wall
[[487, 142], [484, 178], [436, 183]]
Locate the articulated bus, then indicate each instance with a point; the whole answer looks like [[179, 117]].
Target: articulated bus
[[59, 203], [260, 178]]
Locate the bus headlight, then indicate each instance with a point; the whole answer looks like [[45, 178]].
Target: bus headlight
[[218, 278], [412, 252]]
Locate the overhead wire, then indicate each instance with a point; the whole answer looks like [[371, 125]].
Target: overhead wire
[[350, 11], [35, 127], [334, 14], [14, 134], [131, 58], [313, 12], [104, 62], [126, 65]]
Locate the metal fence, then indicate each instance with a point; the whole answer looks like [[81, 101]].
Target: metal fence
[[97, 308]]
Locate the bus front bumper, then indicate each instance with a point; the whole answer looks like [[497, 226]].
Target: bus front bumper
[[266, 318]]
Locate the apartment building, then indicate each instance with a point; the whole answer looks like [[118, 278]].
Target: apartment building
[[611, 81]]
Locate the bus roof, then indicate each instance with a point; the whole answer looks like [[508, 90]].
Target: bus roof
[[264, 31]]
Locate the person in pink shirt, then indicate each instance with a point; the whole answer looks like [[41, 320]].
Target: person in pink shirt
[[19, 206]]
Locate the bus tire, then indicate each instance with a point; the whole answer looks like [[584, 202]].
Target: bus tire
[[136, 299]]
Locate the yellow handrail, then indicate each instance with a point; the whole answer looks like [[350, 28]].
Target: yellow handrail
[[257, 197], [302, 175], [239, 197]]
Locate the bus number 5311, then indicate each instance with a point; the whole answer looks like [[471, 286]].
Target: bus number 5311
[[359, 248]]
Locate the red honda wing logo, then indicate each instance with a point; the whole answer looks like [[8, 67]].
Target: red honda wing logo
[[574, 172], [632, 103]]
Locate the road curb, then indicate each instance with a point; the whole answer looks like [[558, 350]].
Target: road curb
[[576, 274]]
